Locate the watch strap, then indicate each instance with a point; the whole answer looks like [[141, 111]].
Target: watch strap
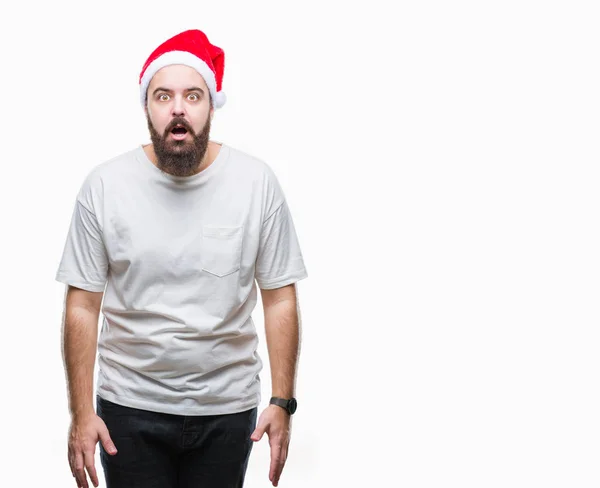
[[289, 405]]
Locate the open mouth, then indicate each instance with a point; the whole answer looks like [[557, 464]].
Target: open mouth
[[179, 132]]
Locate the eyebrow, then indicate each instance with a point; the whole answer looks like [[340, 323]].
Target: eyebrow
[[193, 88]]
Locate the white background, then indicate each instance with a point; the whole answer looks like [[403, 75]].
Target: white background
[[441, 163]]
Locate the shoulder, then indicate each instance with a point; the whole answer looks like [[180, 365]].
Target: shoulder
[[251, 166], [260, 175], [93, 186], [118, 164]]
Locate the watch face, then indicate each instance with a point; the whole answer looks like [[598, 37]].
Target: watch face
[[292, 405]]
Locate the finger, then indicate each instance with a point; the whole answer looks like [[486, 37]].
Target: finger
[[277, 473], [79, 471], [280, 466], [89, 466], [258, 433], [107, 442], [71, 462], [275, 460]]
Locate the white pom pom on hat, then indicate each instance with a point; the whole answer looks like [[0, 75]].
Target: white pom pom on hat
[[190, 48]]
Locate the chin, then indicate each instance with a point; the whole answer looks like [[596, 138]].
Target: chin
[[179, 145]]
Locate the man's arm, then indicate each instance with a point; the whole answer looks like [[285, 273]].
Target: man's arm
[[80, 337], [282, 330], [80, 340]]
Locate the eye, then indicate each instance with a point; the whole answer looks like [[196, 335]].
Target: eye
[[193, 97], [163, 97]]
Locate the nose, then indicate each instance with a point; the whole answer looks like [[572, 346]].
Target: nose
[[177, 109]]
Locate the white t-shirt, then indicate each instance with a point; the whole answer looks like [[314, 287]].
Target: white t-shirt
[[178, 259]]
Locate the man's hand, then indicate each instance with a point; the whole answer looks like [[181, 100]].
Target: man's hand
[[84, 433], [275, 421]]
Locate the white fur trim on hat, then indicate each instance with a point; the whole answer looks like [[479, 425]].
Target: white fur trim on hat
[[187, 59], [220, 99]]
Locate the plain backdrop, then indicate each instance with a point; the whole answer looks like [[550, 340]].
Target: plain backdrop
[[441, 162]]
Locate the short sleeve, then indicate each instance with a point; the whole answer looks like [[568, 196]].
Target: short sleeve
[[279, 262], [84, 262]]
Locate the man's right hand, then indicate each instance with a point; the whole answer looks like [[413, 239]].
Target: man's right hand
[[84, 433]]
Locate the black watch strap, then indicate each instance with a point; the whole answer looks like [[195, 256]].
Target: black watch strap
[[288, 405]]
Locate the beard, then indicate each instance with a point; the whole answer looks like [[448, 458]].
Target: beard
[[179, 158]]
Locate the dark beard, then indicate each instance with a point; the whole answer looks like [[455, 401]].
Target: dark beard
[[179, 158]]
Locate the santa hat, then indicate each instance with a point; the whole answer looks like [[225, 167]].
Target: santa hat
[[190, 48]]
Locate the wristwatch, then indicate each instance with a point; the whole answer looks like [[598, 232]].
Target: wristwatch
[[288, 405]]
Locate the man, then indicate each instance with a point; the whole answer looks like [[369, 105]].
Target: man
[[170, 241]]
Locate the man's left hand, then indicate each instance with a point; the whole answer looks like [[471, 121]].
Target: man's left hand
[[275, 421]]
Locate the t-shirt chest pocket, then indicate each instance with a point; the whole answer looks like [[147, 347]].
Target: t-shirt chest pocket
[[221, 249]]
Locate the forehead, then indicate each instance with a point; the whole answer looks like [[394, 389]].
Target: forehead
[[177, 76]]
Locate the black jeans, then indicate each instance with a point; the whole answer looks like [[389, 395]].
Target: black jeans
[[159, 450]]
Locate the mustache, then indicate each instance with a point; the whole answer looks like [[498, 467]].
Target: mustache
[[178, 121]]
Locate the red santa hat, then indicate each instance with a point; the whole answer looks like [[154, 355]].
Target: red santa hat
[[190, 48]]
